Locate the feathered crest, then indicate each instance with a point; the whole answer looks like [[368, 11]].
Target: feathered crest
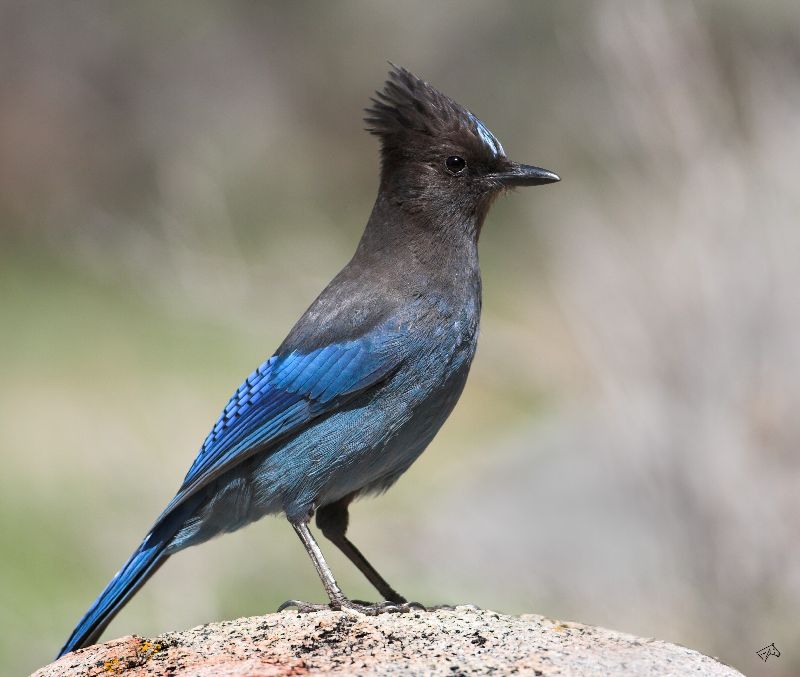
[[409, 104]]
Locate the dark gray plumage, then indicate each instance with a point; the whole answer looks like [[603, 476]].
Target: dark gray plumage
[[369, 373]]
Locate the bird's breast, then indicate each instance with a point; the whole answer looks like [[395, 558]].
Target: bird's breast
[[441, 339]]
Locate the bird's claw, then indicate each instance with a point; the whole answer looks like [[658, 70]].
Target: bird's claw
[[396, 607], [303, 607], [357, 606]]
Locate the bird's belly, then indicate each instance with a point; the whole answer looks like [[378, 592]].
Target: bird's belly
[[395, 437], [375, 468]]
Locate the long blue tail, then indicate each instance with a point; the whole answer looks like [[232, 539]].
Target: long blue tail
[[142, 564]]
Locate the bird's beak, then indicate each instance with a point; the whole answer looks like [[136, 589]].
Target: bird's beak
[[525, 175]]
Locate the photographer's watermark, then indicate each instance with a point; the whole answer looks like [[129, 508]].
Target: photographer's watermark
[[767, 651]]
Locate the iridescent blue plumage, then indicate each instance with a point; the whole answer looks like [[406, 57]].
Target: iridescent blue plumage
[[285, 393], [372, 369], [487, 137]]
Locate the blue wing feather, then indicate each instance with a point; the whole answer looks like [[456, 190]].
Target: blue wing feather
[[283, 395]]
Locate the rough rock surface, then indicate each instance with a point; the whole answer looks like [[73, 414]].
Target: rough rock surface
[[461, 641]]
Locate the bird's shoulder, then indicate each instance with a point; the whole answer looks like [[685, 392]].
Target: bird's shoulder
[[362, 302]]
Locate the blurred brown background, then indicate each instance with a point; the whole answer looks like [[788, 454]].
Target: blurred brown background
[[178, 181]]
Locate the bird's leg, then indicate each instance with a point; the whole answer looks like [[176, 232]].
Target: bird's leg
[[324, 572], [332, 521], [335, 594]]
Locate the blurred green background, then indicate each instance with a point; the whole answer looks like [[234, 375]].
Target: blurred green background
[[179, 180]]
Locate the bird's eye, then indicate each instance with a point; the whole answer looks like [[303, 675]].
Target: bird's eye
[[455, 164]]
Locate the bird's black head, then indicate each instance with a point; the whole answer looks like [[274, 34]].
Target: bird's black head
[[437, 158]]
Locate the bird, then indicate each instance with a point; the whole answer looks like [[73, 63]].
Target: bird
[[368, 374]]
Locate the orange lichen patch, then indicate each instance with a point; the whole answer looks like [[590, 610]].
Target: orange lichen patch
[[148, 648], [113, 665]]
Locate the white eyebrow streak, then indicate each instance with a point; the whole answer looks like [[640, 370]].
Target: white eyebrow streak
[[487, 137]]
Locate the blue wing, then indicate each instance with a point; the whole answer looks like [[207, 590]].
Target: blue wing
[[284, 395], [279, 398]]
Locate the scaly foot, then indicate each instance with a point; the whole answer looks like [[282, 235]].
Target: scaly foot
[[358, 606]]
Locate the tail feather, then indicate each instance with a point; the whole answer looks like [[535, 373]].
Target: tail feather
[[141, 565]]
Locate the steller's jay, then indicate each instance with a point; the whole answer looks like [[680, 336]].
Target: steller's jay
[[368, 374]]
